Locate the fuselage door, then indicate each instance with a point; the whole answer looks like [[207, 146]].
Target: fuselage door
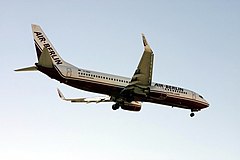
[[69, 72], [193, 95]]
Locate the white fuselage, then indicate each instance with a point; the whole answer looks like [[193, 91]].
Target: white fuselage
[[180, 97]]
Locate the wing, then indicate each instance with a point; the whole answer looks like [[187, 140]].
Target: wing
[[143, 73], [85, 100], [142, 77]]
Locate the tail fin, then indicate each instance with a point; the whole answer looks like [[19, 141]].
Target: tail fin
[[43, 45]]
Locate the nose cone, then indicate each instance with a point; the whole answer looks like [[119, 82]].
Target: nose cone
[[206, 104]]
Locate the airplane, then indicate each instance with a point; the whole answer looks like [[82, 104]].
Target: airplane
[[125, 93]]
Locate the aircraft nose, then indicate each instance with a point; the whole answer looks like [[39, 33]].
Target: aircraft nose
[[207, 104]]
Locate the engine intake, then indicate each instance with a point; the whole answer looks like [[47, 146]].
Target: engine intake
[[132, 106]]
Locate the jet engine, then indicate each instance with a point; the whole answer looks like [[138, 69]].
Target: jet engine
[[132, 106]]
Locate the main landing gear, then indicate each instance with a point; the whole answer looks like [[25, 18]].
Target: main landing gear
[[115, 106]]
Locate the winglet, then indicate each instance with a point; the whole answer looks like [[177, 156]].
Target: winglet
[[144, 40], [145, 43], [60, 94]]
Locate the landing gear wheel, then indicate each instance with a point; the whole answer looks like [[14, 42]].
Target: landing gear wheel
[[115, 106], [192, 114]]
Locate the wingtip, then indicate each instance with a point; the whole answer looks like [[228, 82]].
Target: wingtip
[[145, 43], [60, 94]]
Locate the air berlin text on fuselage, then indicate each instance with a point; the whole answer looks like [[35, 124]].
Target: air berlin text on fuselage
[[48, 46]]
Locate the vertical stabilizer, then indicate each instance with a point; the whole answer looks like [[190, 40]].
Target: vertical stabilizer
[[41, 41]]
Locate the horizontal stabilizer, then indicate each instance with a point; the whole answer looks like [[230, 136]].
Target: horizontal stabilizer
[[33, 68], [85, 100]]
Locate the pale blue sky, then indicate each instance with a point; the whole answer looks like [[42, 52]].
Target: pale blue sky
[[196, 46]]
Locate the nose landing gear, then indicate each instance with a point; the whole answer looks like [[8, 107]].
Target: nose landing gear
[[192, 114]]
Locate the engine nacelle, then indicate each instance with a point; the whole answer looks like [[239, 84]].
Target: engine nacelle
[[132, 106]]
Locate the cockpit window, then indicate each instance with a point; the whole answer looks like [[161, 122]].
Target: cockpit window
[[201, 96]]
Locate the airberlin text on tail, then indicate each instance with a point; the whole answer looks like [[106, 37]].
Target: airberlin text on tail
[[52, 53]]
